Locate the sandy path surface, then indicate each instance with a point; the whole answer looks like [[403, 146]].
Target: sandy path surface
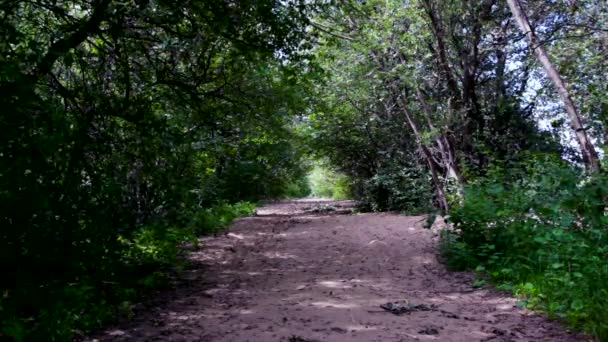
[[295, 275]]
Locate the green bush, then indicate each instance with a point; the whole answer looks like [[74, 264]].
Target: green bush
[[219, 216], [539, 231], [396, 188], [328, 183], [145, 260], [298, 188]]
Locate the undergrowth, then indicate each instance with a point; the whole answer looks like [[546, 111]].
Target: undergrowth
[[539, 232], [60, 310]]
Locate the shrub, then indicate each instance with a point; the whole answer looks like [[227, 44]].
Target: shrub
[[145, 260], [298, 188], [539, 232], [396, 188], [328, 183], [219, 216]]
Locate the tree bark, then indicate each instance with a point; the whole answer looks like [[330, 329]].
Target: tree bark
[[446, 149], [441, 53], [590, 157], [433, 167]]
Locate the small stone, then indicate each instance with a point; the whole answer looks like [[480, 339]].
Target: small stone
[[338, 330]]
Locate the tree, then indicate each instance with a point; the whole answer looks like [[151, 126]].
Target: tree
[[122, 126], [590, 157], [424, 68]]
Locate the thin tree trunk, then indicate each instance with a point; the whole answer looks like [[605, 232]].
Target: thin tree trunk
[[590, 157], [430, 160], [441, 53], [445, 147], [428, 155], [434, 166]]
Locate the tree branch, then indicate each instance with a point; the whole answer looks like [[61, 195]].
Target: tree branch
[[62, 46]]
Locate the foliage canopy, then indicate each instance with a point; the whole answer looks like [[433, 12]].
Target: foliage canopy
[[128, 128]]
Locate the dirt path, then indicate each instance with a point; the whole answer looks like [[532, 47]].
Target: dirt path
[[289, 274]]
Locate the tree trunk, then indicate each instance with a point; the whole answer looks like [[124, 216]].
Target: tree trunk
[[428, 156], [433, 167], [590, 157], [446, 149]]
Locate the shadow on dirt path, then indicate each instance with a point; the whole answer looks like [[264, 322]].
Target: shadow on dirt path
[[303, 271]]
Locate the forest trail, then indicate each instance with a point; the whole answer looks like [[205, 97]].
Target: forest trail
[[297, 272]]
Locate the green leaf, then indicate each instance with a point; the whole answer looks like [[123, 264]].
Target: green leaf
[[478, 283], [577, 305]]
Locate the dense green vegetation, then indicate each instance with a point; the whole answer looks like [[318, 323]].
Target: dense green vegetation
[[127, 129], [327, 183], [538, 228], [461, 107]]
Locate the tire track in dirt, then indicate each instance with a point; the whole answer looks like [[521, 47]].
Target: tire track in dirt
[[294, 274]]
